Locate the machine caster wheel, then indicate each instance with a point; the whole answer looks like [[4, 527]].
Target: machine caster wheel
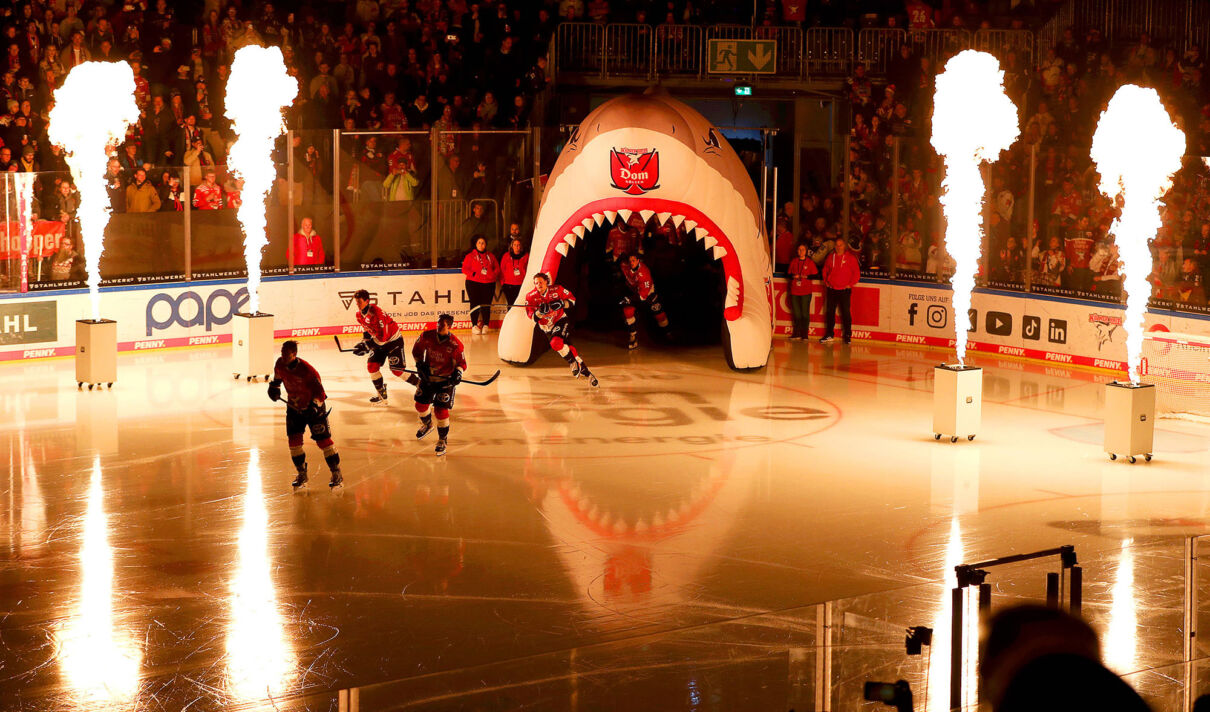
[[936, 436], [1147, 457], [235, 376], [90, 385], [953, 438], [1132, 460], [109, 386], [1113, 456], [80, 386], [249, 379], [266, 377], [969, 438]]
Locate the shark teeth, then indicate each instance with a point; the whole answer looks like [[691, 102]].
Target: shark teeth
[[678, 219], [646, 214], [597, 218], [588, 223], [732, 292], [625, 214], [690, 224], [709, 241], [561, 248], [611, 216], [663, 217], [578, 230], [719, 252]]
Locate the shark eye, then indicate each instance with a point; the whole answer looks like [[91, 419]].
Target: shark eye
[[711, 139]]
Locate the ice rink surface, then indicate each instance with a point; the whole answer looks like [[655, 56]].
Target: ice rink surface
[[684, 537]]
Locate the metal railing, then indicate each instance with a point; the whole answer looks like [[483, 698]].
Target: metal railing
[[579, 48], [877, 48], [1001, 42], [829, 51], [1180, 24], [940, 45], [629, 49], [789, 48], [678, 50]]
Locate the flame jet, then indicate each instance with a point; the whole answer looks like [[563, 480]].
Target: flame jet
[[1136, 149], [92, 110], [257, 91], [655, 156], [973, 121]]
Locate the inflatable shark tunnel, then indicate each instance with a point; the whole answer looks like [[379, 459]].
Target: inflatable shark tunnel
[[651, 154]]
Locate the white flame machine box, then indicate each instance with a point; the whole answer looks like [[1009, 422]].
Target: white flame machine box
[[96, 352], [252, 349], [957, 401], [1129, 419]]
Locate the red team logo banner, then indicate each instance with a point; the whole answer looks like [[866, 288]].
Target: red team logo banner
[[43, 239], [633, 170]]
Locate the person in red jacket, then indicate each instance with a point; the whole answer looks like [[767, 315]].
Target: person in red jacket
[[549, 305], [482, 271], [440, 358], [305, 408], [512, 270], [840, 274], [208, 196], [308, 246], [382, 340], [642, 286], [800, 271]]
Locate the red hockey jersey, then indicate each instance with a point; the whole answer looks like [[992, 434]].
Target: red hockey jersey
[[639, 279], [378, 324], [443, 355], [547, 309], [302, 383]]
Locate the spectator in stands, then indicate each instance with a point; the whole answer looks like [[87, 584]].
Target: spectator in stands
[[141, 196], [1040, 658], [308, 246], [451, 181], [66, 265], [208, 195], [115, 184], [172, 192], [198, 160]]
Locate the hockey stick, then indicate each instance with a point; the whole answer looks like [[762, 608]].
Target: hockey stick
[[338, 346], [486, 382]]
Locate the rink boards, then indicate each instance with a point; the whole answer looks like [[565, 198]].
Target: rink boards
[[1051, 329]]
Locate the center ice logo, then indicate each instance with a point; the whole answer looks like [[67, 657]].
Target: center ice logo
[[633, 170]]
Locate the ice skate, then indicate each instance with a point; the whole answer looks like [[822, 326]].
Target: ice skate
[[381, 398], [301, 481], [439, 451], [592, 379], [337, 480], [575, 370], [425, 427]]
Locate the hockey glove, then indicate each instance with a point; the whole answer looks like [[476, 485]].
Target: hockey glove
[[361, 348], [422, 368], [456, 377], [275, 391]]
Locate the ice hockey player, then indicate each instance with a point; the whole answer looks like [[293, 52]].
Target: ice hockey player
[[642, 291], [382, 340], [440, 359], [549, 305], [305, 409]]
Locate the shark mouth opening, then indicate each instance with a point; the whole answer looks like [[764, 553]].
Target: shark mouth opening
[[607, 211]]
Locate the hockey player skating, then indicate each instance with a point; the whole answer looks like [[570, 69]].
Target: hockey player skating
[[642, 288], [440, 360], [548, 305], [382, 340], [305, 409]]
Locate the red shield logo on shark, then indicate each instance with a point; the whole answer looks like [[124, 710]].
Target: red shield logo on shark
[[634, 170]]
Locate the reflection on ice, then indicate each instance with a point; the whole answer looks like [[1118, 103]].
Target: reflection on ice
[[940, 651], [1121, 639], [99, 664], [259, 662]]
